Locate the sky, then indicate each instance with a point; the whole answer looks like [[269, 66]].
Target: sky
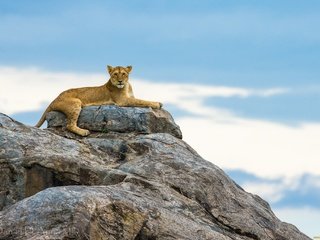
[[241, 78]]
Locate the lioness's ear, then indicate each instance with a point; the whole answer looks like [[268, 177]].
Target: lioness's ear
[[128, 68], [110, 69]]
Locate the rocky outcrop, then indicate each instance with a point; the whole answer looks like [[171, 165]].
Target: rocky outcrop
[[123, 120], [121, 184]]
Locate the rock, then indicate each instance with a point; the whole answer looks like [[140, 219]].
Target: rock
[[111, 118], [121, 185]]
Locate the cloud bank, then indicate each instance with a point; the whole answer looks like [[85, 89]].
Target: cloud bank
[[267, 149]]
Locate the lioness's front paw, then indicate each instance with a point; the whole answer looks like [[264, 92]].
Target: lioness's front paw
[[83, 132], [157, 105]]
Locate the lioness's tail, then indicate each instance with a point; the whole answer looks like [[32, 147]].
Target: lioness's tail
[[43, 117]]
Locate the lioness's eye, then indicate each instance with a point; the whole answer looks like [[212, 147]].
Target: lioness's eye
[[116, 74]]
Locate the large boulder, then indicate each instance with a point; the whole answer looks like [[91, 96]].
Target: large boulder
[[111, 118], [121, 185]]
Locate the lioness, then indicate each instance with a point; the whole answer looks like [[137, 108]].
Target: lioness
[[117, 91]]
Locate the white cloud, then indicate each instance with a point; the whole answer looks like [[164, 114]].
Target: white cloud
[[191, 97], [264, 148], [272, 192], [176, 92], [267, 149], [27, 89], [276, 192]]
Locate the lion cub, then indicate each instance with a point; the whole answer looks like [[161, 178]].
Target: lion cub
[[117, 91]]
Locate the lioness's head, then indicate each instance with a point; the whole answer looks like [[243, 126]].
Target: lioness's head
[[119, 76]]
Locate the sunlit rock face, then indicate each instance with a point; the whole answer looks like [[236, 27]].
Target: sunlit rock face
[[133, 177]]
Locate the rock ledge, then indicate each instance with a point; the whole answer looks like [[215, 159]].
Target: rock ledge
[[110, 118]]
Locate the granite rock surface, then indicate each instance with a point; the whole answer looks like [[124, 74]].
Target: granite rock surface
[[111, 118], [127, 184]]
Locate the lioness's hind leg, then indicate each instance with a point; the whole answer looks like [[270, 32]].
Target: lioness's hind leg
[[72, 118], [72, 108]]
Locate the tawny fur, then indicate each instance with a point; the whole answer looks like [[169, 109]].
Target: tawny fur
[[117, 91]]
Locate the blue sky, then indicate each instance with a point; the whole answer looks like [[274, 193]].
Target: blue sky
[[265, 55], [243, 43]]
